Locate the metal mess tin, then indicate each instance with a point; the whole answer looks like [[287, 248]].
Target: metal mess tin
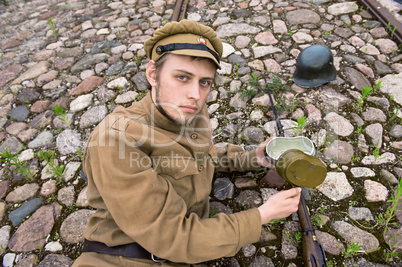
[[295, 161], [278, 145]]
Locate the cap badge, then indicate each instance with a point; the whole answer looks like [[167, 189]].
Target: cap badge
[[201, 40]]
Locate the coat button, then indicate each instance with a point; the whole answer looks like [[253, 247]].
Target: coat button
[[201, 167], [194, 136]]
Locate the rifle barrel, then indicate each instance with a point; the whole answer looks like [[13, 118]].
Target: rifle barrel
[[277, 120], [313, 252]]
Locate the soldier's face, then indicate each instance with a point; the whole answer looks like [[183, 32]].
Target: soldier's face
[[182, 86]]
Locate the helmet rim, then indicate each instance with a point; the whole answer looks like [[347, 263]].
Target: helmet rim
[[315, 82]]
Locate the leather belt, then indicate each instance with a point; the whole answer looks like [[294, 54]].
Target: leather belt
[[132, 250]]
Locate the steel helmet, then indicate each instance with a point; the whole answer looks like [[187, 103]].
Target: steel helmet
[[314, 67]]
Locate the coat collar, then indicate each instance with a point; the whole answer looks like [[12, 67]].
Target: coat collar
[[157, 119]]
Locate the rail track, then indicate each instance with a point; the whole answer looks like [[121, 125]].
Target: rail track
[[391, 24], [179, 10]]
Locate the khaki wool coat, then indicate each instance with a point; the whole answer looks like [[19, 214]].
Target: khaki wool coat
[[149, 180]]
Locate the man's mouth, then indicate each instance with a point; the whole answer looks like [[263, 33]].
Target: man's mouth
[[189, 108]]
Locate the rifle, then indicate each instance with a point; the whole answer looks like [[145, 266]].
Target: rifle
[[313, 251]]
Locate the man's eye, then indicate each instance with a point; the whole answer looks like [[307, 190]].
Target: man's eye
[[205, 83], [182, 77]]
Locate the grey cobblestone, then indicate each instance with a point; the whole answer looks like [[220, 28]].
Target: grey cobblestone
[[94, 62]]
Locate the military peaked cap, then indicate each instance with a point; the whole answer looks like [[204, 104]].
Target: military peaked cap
[[185, 38]]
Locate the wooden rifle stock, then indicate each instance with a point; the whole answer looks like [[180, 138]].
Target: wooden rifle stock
[[313, 252]]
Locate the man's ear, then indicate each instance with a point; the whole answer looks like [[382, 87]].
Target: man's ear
[[151, 73]]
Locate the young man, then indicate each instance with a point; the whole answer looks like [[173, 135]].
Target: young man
[[150, 166]]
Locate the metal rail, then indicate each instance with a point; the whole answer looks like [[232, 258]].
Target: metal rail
[[179, 10], [392, 25]]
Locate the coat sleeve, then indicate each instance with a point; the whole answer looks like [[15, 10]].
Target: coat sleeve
[[137, 204], [235, 158]]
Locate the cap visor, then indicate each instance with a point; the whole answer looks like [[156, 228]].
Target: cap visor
[[196, 53]]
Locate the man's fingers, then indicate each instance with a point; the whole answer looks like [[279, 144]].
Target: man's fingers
[[294, 192], [297, 193], [280, 205]]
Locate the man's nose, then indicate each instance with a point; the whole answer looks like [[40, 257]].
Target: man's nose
[[194, 91]]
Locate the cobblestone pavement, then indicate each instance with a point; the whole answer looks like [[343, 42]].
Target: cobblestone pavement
[[65, 65]]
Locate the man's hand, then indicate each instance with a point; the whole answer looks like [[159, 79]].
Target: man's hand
[[260, 151], [280, 205]]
